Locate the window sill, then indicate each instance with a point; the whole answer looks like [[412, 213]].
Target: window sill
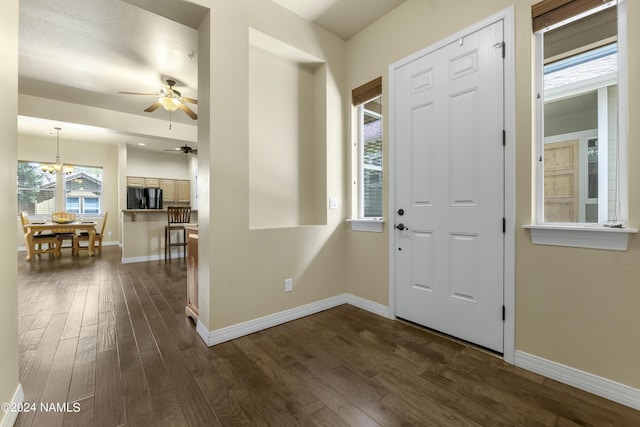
[[370, 225], [581, 236]]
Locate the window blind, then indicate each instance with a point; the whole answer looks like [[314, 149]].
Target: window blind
[[367, 91], [546, 13]]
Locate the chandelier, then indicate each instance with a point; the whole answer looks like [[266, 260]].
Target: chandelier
[[58, 165]]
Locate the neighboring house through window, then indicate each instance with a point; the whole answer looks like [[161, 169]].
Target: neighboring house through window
[[581, 124], [82, 190], [580, 137], [367, 100]]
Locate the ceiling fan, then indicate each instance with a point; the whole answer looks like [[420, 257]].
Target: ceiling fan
[[170, 99], [185, 149]]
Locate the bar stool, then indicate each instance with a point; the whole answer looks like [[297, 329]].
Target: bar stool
[[177, 217]]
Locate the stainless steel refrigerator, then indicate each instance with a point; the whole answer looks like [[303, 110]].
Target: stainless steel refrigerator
[[144, 198]]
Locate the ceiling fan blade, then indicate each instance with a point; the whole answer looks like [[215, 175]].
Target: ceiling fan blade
[[188, 111], [153, 107], [138, 93], [194, 151], [189, 100]]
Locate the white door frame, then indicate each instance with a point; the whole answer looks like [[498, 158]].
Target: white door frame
[[507, 16]]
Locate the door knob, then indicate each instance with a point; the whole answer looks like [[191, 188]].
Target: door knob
[[401, 227]]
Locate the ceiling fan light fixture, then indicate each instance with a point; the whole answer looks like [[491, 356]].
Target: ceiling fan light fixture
[[169, 103]]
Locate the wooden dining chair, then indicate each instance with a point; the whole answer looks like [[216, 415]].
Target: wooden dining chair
[[64, 234], [84, 237], [177, 217], [40, 238]]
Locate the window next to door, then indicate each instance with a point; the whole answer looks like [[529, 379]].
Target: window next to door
[[367, 170], [581, 135]]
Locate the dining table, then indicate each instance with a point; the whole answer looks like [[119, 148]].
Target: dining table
[[32, 229]]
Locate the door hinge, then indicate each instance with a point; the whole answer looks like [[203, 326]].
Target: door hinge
[[504, 49], [504, 137], [504, 225], [504, 313]]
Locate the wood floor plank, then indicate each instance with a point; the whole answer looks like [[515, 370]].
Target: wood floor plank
[[268, 402], [165, 403], [340, 404], [54, 395], [218, 385], [76, 312], [82, 415], [83, 377], [24, 359], [90, 314], [35, 376], [291, 388], [109, 409]]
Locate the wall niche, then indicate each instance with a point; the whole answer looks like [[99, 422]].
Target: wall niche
[[287, 135]]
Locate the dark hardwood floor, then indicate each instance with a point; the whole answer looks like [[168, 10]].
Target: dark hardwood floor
[[113, 342]]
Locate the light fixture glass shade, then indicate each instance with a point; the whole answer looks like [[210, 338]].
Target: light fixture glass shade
[[58, 165], [170, 104]]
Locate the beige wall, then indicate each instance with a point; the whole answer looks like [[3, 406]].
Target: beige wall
[[248, 267], [282, 165], [8, 170], [577, 307], [37, 149], [159, 165]]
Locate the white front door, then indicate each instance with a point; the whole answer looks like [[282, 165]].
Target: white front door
[[447, 126]]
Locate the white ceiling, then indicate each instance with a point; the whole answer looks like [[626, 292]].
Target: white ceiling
[[344, 18], [86, 51]]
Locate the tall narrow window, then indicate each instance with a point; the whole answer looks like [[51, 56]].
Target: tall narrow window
[[579, 133], [368, 101]]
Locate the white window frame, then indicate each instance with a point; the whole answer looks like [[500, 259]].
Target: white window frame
[[361, 165], [585, 235], [360, 222]]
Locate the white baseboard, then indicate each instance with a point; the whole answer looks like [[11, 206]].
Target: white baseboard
[[599, 386], [367, 305], [9, 418], [148, 258], [245, 328]]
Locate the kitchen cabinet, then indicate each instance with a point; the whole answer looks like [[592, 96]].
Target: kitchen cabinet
[[176, 190], [173, 190], [152, 182], [183, 191], [168, 190], [135, 181]]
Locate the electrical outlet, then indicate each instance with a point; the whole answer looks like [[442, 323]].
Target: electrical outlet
[[288, 285], [108, 234]]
